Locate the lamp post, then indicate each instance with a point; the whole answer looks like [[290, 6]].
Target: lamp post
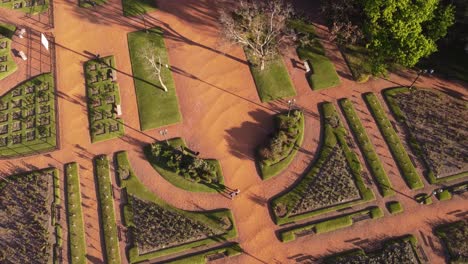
[[420, 72], [163, 133], [290, 105]]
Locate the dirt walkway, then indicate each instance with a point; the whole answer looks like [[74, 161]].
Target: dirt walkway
[[223, 119]]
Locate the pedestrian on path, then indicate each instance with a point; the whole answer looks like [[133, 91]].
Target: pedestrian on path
[[234, 193]]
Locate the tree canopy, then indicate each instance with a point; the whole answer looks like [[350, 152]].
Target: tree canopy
[[404, 31]]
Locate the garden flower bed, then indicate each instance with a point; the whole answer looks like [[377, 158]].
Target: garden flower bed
[[401, 250], [172, 230], [278, 153], [28, 217], [453, 236], [333, 182], [181, 167], [437, 128], [103, 97], [27, 118]]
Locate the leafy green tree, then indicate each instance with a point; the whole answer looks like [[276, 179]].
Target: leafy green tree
[[404, 31]]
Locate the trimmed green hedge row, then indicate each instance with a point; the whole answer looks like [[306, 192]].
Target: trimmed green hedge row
[[76, 232], [408, 171], [201, 258], [368, 150], [106, 207], [328, 225], [394, 207]]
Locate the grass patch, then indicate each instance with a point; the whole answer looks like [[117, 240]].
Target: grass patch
[[138, 7], [132, 186], [156, 108], [76, 232], [40, 6], [270, 170], [394, 207], [160, 164], [106, 207], [368, 150], [273, 82], [27, 118], [329, 225], [103, 96], [407, 169], [333, 134], [323, 74], [203, 257], [357, 58]]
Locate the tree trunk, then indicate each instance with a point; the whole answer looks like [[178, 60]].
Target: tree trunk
[[162, 83], [262, 64]]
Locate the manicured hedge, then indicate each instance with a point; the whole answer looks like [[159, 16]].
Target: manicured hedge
[[407, 169], [394, 207], [201, 258], [106, 207], [368, 150], [444, 195], [76, 232]]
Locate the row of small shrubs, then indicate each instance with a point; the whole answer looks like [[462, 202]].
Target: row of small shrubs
[[283, 141], [181, 161], [329, 225]]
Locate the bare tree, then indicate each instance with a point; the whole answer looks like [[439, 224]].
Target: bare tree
[[153, 63], [259, 26]]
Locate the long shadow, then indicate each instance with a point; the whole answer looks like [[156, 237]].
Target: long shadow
[[189, 75], [244, 139]]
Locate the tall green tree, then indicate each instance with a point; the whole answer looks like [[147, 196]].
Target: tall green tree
[[404, 31]]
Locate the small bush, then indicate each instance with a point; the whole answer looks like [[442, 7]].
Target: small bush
[[394, 207], [444, 195]]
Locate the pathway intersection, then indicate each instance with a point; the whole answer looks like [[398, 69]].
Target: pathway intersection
[[223, 118]]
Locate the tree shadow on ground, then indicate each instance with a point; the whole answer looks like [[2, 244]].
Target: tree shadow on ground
[[245, 139]]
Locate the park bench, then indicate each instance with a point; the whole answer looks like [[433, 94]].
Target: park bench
[[22, 55], [307, 66], [3, 68]]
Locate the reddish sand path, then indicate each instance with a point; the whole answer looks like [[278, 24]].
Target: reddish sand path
[[223, 119]]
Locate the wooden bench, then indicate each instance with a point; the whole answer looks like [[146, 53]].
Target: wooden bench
[[307, 66]]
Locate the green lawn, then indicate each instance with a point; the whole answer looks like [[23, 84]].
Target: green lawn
[[331, 137], [102, 95], [88, 3], [273, 82], [368, 150], [329, 225], [323, 74], [76, 233], [269, 171], [407, 169], [138, 7], [133, 186], [28, 114], [156, 107], [106, 207], [7, 31], [178, 180], [35, 9], [358, 61]]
